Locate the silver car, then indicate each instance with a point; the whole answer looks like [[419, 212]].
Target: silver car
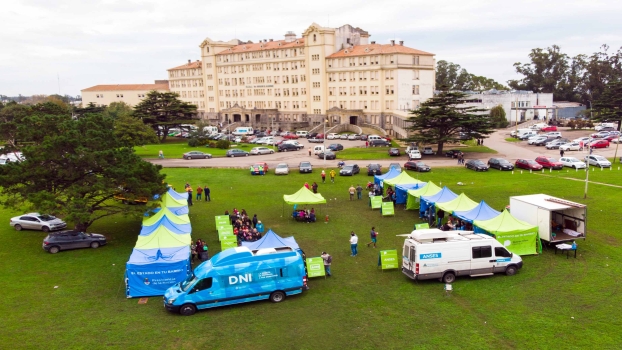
[[36, 221], [281, 169], [261, 150]]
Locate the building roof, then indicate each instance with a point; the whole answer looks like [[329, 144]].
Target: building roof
[[195, 64], [376, 49], [128, 87], [262, 46]]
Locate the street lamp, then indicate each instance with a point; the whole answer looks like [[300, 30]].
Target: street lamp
[[324, 141]]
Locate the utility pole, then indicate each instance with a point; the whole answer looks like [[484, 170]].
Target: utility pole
[[587, 175]]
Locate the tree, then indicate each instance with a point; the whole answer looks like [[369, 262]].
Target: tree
[[546, 71], [609, 106], [442, 118], [118, 109], [456, 78], [131, 131], [498, 118], [11, 116], [74, 168], [164, 110]]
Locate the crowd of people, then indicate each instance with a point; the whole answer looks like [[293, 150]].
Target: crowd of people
[[200, 192], [304, 215], [247, 229], [436, 218]]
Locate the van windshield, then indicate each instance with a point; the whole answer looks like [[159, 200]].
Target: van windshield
[[185, 285]]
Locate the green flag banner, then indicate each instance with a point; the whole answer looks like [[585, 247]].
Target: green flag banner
[[387, 259], [315, 267], [224, 230], [222, 220], [387, 208], [376, 202], [228, 241], [425, 225]]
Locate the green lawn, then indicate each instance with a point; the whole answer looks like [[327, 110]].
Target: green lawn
[[76, 299], [473, 147], [176, 148], [512, 139]]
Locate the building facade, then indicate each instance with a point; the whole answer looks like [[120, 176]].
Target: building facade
[[519, 106], [132, 94], [327, 74]]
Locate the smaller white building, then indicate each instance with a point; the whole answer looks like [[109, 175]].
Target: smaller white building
[[519, 106]]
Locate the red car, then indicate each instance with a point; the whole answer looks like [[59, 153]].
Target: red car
[[548, 162], [527, 164], [319, 136], [599, 144], [291, 137], [549, 128]]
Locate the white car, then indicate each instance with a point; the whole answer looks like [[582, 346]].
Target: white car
[[428, 151], [294, 142], [333, 136], [539, 126], [533, 140], [618, 140], [261, 150], [597, 161], [414, 154], [572, 162], [571, 146], [553, 134], [281, 169], [584, 139]]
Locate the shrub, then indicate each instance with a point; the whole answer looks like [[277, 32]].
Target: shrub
[[572, 124], [193, 142], [223, 144]]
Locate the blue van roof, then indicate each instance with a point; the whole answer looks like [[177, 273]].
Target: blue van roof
[[228, 255]]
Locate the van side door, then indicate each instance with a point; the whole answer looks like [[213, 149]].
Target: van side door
[[481, 260], [502, 259]]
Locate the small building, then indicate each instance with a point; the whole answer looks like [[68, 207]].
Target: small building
[[568, 110], [132, 94], [519, 106]]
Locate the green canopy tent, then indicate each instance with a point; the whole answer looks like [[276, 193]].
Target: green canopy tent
[[460, 203], [402, 179], [163, 237], [412, 202], [516, 235], [303, 196]]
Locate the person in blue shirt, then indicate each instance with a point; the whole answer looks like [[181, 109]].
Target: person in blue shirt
[[259, 227]]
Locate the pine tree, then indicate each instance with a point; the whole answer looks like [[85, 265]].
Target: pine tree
[[163, 111]]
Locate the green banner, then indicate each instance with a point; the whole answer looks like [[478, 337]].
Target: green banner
[[425, 225], [315, 267], [387, 259], [224, 230], [376, 202], [521, 243], [222, 220], [228, 241], [387, 208]]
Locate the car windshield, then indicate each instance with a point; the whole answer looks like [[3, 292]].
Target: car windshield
[[282, 166], [572, 160], [46, 217], [185, 285], [478, 162], [599, 158], [552, 160], [348, 167], [532, 162], [305, 164]]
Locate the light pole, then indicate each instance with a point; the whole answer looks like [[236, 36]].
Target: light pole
[[324, 141]]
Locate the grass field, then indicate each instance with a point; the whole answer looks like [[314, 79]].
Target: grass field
[[176, 148], [512, 139], [76, 299]]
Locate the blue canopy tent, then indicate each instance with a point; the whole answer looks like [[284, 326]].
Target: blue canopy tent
[[175, 202], [482, 212], [166, 222], [378, 179], [401, 191], [150, 272], [445, 195], [272, 240]]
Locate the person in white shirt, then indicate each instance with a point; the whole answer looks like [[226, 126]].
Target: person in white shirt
[[354, 242]]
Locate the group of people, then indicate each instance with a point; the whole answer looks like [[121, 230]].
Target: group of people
[[391, 195], [313, 187], [245, 228], [332, 176], [200, 250], [435, 219], [200, 191], [304, 215]]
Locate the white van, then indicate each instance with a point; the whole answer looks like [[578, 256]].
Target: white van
[[370, 138], [210, 129], [243, 131], [524, 134], [604, 125], [432, 253], [318, 149], [539, 126], [302, 133]]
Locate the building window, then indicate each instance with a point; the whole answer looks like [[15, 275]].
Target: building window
[[415, 89], [314, 37], [416, 60], [415, 74], [317, 111]]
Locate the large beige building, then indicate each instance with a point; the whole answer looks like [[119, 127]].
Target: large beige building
[[132, 94], [333, 74]]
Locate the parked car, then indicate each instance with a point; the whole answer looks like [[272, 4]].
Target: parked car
[[65, 240], [395, 166], [196, 155], [555, 144], [600, 134], [617, 140], [281, 169], [542, 142], [255, 168], [553, 134], [364, 137], [500, 163], [36, 221], [452, 153], [611, 137], [353, 137], [328, 153], [349, 170], [597, 161], [417, 166], [305, 167], [599, 144], [261, 150], [291, 137], [379, 143], [394, 151], [236, 153], [374, 169], [315, 140], [476, 164], [335, 147], [285, 133], [344, 136], [549, 162], [332, 136], [572, 162], [288, 147], [413, 154], [571, 146], [549, 128], [528, 164], [311, 135], [428, 151], [533, 140]]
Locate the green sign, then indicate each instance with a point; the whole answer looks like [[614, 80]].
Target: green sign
[[387, 208], [225, 230], [425, 225], [376, 202], [387, 259], [223, 220], [228, 241], [315, 267]]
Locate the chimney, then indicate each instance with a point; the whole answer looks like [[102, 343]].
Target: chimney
[[392, 42], [373, 43], [197, 61], [290, 36], [189, 61], [270, 40], [401, 42]]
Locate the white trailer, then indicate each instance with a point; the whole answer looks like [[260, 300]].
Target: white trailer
[[558, 220], [432, 253]]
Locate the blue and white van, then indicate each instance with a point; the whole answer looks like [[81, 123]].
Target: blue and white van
[[239, 275], [243, 131]]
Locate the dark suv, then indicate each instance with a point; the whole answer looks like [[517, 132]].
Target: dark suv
[[65, 240], [379, 143], [374, 169], [286, 147]]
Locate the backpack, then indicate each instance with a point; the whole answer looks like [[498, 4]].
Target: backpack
[[329, 259]]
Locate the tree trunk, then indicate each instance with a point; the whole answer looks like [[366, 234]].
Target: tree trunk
[[82, 226], [439, 149]]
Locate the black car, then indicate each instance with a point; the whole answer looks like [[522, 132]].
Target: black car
[[544, 141], [500, 163], [374, 169], [453, 153], [286, 147], [349, 170], [311, 135], [394, 151], [65, 240], [476, 165], [236, 153], [379, 143], [364, 137], [417, 166], [305, 167], [335, 147], [329, 155]]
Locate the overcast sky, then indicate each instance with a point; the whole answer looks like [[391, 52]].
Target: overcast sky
[[86, 43]]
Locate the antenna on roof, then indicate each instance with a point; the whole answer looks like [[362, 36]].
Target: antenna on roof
[[58, 78]]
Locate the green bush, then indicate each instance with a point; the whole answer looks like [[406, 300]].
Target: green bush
[[202, 142], [193, 142], [223, 144], [572, 124]]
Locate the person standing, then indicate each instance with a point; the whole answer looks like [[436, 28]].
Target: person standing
[[161, 154], [309, 151], [332, 176], [314, 187], [561, 152], [440, 215], [259, 227], [374, 235], [354, 242], [207, 192], [366, 144], [189, 190], [359, 191], [327, 261], [255, 221], [199, 192], [351, 190], [307, 185], [323, 176]]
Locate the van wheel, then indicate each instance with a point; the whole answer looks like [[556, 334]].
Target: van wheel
[[511, 270], [95, 245], [277, 297], [187, 310], [449, 277]]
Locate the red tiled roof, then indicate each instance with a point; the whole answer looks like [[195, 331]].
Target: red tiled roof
[[128, 87], [195, 64], [376, 49], [262, 46]]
